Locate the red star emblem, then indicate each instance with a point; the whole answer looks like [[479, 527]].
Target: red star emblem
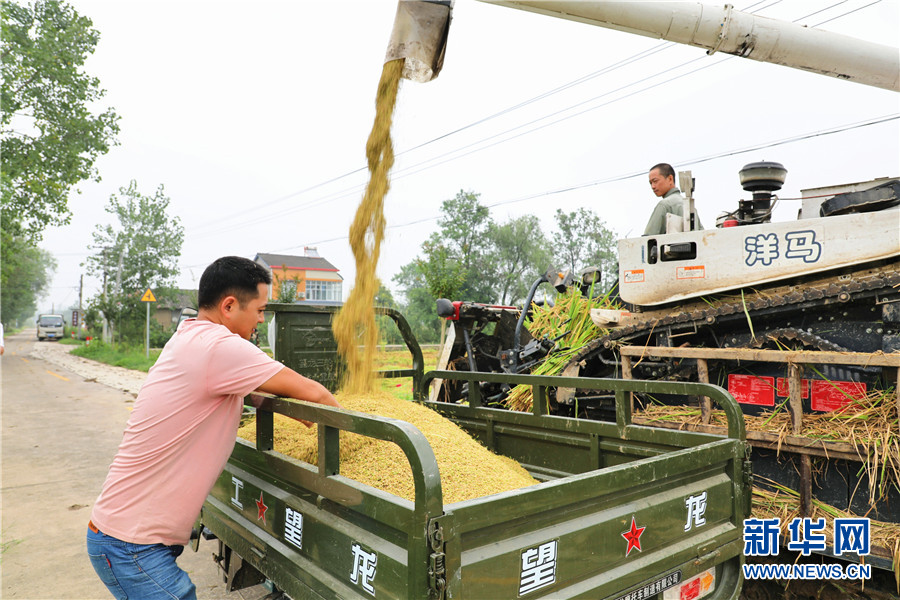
[[633, 536], [261, 506]]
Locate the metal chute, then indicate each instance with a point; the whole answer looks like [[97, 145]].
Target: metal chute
[[420, 37]]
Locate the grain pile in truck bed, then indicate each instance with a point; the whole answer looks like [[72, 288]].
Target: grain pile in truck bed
[[468, 469]]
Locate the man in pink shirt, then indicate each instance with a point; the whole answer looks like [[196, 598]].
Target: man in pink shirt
[[181, 433]]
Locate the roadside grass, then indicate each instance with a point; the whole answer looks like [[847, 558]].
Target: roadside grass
[[119, 355]]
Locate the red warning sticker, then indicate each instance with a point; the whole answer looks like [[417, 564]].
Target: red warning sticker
[[834, 395], [634, 276], [783, 390], [750, 389], [696, 272]]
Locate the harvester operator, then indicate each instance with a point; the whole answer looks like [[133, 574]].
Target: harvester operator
[[181, 433], [662, 182]]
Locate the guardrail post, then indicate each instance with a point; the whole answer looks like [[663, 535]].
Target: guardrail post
[[623, 410], [329, 450], [265, 430], [474, 394], [539, 400]]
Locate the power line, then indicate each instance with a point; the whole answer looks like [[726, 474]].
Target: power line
[[846, 13], [429, 163], [609, 68], [642, 172], [452, 155], [584, 78]]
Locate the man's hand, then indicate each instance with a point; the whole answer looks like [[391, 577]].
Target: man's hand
[[290, 384]]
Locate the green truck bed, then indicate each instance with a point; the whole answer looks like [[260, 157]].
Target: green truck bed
[[622, 511]]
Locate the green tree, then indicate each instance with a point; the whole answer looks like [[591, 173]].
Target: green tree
[[463, 231], [444, 274], [583, 240], [140, 252], [50, 137], [419, 305], [25, 273], [454, 263], [521, 253]]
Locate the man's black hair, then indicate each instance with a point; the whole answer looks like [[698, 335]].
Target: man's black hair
[[231, 276], [665, 169]]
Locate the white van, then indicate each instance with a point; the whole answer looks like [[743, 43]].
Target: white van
[[50, 327]]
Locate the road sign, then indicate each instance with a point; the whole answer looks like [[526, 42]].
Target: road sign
[[74, 318], [148, 297]]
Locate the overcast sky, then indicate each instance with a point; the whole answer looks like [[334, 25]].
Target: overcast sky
[[254, 116]]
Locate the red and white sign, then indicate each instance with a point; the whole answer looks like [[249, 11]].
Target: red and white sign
[[834, 395], [750, 389], [694, 588], [698, 272], [634, 276]]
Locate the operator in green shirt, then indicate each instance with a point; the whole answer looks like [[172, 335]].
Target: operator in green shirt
[[662, 181]]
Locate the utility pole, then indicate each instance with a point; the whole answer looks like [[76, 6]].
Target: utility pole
[[105, 320], [80, 314], [122, 254]]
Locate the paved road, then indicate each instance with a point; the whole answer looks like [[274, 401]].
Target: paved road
[[59, 435]]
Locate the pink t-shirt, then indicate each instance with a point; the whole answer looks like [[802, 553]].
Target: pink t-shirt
[[180, 434]]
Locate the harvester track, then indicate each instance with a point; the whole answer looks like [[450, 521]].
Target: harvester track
[[828, 291]]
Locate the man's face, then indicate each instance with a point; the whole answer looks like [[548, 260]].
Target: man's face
[[243, 320], [660, 184]]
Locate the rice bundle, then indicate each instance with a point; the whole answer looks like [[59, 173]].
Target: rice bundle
[[468, 469], [869, 423], [571, 317]]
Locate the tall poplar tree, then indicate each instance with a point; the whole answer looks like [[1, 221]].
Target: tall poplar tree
[[49, 134]]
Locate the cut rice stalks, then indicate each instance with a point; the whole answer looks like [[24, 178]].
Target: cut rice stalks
[[869, 424], [569, 322]]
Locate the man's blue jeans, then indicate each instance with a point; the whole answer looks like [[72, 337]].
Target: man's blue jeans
[[139, 571]]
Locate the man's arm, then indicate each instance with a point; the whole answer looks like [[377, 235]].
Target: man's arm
[[290, 384], [656, 224]]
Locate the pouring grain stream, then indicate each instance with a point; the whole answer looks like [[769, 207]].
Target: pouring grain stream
[[354, 326], [468, 469]]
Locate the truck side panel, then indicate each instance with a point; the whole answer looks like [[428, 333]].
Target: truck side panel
[[585, 522], [315, 543], [667, 509]]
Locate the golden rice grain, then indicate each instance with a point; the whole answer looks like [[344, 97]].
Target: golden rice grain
[[468, 469]]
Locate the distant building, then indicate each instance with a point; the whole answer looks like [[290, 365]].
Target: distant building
[[169, 309], [307, 278]]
